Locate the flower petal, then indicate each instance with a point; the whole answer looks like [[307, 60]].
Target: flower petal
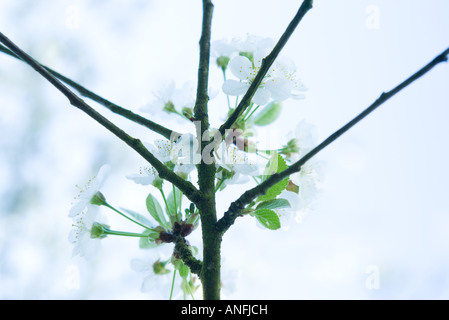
[[242, 68], [262, 96], [280, 88]]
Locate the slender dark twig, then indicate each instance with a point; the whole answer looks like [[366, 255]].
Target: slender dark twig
[[266, 64], [185, 186], [229, 217], [167, 133]]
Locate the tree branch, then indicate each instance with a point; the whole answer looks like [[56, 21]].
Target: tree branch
[[202, 98], [183, 252], [266, 64], [210, 272], [167, 133], [185, 186], [229, 217]]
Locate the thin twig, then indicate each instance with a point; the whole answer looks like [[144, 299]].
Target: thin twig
[[185, 186], [229, 217], [165, 132], [266, 64]]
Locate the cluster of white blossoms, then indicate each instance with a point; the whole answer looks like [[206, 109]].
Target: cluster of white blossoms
[[86, 216], [236, 157], [172, 99], [244, 60]]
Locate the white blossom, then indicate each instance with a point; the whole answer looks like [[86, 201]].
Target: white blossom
[[279, 83], [146, 175], [295, 213], [222, 48], [154, 281], [170, 98], [308, 178], [232, 159], [183, 154], [252, 44], [80, 235]]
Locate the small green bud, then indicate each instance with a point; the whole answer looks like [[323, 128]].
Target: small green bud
[[99, 230], [193, 220], [169, 107], [293, 146], [98, 199], [290, 148], [222, 62], [159, 267], [158, 183], [187, 112]]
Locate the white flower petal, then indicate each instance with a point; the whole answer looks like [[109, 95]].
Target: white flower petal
[[166, 93], [238, 178], [140, 265], [235, 88], [164, 148], [77, 208], [242, 68], [184, 97], [262, 96], [279, 88], [222, 48], [139, 179]]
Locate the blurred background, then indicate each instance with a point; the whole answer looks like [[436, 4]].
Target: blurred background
[[379, 226]]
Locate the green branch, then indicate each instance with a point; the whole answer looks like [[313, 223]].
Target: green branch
[[164, 173], [167, 133], [237, 206]]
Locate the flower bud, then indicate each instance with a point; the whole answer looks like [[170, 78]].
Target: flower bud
[[157, 182], [187, 112], [98, 199], [99, 230], [169, 107], [222, 62]]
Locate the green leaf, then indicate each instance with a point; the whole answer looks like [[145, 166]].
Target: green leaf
[[268, 114], [138, 217], [274, 191], [276, 164], [274, 204], [268, 218], [155, 209]]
